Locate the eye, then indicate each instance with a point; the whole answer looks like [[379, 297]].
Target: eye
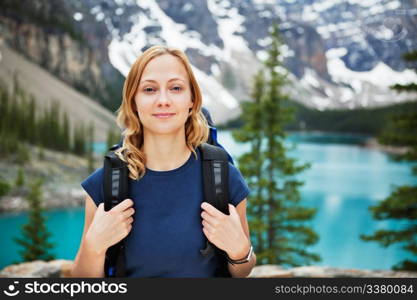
[[148, 90], [177, 88]]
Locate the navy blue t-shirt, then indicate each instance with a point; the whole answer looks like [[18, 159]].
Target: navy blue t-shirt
[[167, 234]]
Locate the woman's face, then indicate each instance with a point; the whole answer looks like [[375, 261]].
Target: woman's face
[[163, 99]]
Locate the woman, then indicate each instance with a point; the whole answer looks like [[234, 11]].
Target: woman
[[165, 222]]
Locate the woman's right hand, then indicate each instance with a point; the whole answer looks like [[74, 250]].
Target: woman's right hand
[[110, 227]]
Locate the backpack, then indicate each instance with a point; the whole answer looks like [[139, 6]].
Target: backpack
[[215, 172], [212, 138]]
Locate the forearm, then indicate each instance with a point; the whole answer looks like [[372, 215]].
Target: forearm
[[242, 270], [88, 263]]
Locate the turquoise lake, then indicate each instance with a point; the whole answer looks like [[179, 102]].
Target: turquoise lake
[[343, 181]]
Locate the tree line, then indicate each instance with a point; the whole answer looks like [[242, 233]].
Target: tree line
[[368, 121], [23, 122]]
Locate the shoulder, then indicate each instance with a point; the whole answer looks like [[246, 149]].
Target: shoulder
[[234, 171], [93, 185], [97, 175], [238, 188]]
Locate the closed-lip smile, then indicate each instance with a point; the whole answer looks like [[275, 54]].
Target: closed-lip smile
[[163, 115]]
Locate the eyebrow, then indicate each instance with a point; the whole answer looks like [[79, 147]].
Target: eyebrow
[[151, 80]]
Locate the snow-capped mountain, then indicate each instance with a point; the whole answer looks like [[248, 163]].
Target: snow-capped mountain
[[340, 53]]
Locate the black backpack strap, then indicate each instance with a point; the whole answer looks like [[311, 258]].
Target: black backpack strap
[[115, 190], [216, 192], [215, 172], [115, 186]]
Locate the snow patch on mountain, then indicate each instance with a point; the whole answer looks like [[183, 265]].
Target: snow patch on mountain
[[213, 92], [381, 75], [310, 78], [177, 35], [123, 52], [229, 22], [353, 31]]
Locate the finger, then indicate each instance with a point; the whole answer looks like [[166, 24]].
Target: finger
[[129, 227], [207, 233], [123, 205], [211, 209], [129, 220], [234, 213], [209, 218], [208, 227], [232, 210], [128, 212]]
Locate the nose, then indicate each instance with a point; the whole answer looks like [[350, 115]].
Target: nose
[[163, 99]]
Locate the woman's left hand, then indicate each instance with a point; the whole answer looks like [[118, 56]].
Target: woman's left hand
[[225, 231]]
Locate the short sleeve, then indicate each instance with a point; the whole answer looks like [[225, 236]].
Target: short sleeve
[[238, 188], [93, 185]]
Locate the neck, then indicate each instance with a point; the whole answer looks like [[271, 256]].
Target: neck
[[165, 152]]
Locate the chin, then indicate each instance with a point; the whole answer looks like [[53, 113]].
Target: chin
[[172, 126], [166, 129]]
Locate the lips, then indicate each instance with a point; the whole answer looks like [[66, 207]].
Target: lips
[[163, 115]]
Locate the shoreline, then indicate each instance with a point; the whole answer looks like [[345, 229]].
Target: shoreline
[[70, 198], [373, 144], [370, 142]]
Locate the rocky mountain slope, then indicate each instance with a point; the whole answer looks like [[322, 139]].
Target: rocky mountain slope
[[47, 88], [45, 32], [340, 54]]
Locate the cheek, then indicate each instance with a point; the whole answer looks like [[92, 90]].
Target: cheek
[[143, 104], [143, 110], [185, 102]]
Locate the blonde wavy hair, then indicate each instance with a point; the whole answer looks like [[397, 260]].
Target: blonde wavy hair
[[196, 127]]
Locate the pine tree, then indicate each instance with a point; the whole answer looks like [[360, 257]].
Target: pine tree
[[22, 116], [4, 187], [31, 121], [79, 140], [35, 235], [276, 216], [14, 114], [54, 128], [90, 150], [5, 100], [42, 129], [113, 137], [20, 178], [16, 85], [66, 133], [401, 130], [250, 163], [23, 155]]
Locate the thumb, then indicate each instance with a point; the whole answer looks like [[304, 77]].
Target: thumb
[[232, 210], [101, 206]]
